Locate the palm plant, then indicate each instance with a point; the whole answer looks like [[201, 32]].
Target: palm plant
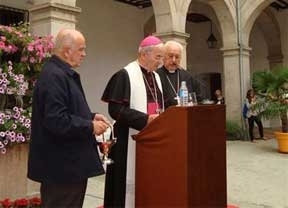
[[272, 88]]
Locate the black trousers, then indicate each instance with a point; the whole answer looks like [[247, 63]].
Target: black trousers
[[251, 121], [60, 195]]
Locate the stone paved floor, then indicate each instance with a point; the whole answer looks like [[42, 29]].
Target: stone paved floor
[[257, 176], [95, 192]]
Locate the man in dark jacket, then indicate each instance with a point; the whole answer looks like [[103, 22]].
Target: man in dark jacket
[[63, 151]]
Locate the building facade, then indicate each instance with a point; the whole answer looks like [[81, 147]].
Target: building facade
[[251, 36]]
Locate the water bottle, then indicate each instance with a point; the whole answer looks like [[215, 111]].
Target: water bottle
[[183, 93]]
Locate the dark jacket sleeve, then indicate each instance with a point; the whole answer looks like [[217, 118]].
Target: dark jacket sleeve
[[61, 102]]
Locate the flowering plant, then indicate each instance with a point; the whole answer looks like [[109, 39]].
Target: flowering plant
[[34, 202], [10, 82], [14, 127], [21, 58], [26, 53]]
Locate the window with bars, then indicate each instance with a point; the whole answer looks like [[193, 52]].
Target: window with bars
[[10, 16]]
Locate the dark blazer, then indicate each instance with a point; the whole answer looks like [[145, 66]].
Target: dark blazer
[[62, 147]]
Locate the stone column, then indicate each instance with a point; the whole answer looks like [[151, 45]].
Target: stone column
[[170, 18], [49, 17], [236, 80], [282, 18], [179, 37]]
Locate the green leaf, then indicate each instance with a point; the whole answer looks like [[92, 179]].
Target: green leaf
[[272, 89]]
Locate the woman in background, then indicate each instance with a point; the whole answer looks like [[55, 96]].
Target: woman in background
[[252, 115]]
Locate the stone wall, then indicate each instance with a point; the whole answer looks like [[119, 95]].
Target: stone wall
[[13, 174]]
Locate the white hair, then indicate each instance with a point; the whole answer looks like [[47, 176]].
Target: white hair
[[66, 38], [172, 43]]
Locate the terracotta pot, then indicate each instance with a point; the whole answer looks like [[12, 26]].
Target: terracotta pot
[[282, 139]]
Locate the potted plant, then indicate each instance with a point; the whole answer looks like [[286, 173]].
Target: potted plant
[[272, 89], [233, 130]]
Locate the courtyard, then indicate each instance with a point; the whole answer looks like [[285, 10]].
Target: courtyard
[[257, 176]]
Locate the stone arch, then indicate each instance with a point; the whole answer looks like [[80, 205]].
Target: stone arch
[[221, 15], [226, 21], [200, 16], [269, 26], [250, 12], [204, 9], [172, 12], [224, 18]]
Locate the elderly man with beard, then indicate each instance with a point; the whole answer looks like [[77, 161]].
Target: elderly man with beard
[[172, 74]]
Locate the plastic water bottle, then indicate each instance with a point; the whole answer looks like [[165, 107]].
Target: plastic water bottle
[[183, 93]]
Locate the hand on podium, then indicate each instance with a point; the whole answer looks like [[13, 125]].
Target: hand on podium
[[152, 117]]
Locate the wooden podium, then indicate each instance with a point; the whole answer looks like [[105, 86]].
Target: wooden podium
[[181, 159]]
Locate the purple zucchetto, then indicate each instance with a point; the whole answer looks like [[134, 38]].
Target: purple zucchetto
[[150, 41]]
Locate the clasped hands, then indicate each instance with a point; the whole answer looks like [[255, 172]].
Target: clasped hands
[[100, 124]]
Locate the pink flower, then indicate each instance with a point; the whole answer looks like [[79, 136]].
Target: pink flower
[[30, 48], [23, 57], [2, 45], [32, 60], [3, 151]]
